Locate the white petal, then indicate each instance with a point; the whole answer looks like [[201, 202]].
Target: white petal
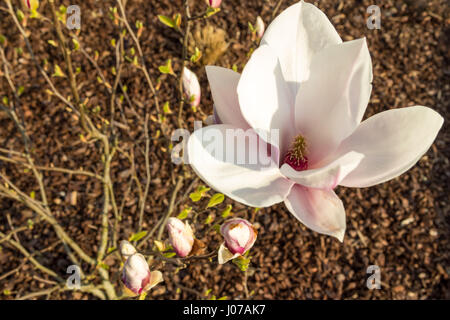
[[326, 177], [392, 142], [155, 278], [296, 35], [330, 105], [320, 210], [265, 100], [247, 174], [224, 255], [223, 83]]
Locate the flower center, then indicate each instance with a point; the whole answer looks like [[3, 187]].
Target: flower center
[[296, 155]]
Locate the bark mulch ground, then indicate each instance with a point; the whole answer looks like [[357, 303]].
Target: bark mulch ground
[[402, 225]]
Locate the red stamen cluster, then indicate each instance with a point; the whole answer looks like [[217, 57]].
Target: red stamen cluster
[[295, 157]]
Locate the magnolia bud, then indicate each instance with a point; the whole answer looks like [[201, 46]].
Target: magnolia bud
[[32, 4], [259, 27], [214, 3], [126, 249], [136, 275], [191, 87], [239, 236], [181, 236]]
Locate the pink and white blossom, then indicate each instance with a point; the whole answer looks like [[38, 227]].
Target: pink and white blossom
[[214, 3], [126, 249], [239, 236], [314, 89], [136, 275], [181, 236], [260, 27], [191, 87]]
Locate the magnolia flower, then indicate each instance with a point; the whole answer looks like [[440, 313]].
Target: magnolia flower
[[136, 275], [191, 87], [126, 249], [181, 236], [239, 236], [313, 89], [214, 3], [260, 28]]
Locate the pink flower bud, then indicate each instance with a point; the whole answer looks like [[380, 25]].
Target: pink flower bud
[[214, 3], [136, 273], [191, 87], [181, 236], [27, 2], [260, 28], [126, 249], [239, 235]]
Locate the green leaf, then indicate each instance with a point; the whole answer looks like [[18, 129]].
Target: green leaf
[[103, 265], [216, 199], [167, 21], [20, 15], [216, 227], [76, 44], [251, 27], [209, 219], [199, 193], [184, 214], [177, 20], [53, 43], [110, 249], [242, 263], [20, 90], [160, 245], [211, 11], [227, 212], [137, 236], [196, 56], [143, 295], [34, 14], [2, 39], [166, 108], [223, 298], [169, 254], [167, 68], [58, 72]]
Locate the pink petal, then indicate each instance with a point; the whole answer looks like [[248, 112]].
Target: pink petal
[[392, 142], [296, 35], [320, 210], [265, 100], [326, 177], [257, 184], [331, 104], [223, 83]]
